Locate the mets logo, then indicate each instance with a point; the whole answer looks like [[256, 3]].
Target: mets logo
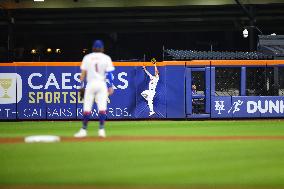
[[219, 106]]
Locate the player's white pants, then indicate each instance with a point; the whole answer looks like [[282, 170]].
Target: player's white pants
[[95, 91], [149, 96]]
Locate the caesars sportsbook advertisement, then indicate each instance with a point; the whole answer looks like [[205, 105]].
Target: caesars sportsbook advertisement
[[51, 92]]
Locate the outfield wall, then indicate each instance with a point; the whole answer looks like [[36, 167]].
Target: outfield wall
[[49, 90]]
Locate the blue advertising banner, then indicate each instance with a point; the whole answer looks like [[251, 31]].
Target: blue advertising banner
[[247, 106], [51, 92]]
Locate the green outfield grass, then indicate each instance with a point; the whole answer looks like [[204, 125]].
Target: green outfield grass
[[218, 163]]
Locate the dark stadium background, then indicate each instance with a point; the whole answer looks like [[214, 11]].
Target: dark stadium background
[[132, 30]]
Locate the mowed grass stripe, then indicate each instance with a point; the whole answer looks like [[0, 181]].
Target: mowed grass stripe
[[147, 128], [179, 163]]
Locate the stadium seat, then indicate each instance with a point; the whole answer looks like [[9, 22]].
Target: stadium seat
[[172, 54]]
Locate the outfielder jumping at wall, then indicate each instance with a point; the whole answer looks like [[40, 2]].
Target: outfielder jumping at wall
[[149, 94], [96, 66]]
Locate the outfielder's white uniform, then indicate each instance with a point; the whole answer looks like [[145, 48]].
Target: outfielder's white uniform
[[150, 93], [96, 65]]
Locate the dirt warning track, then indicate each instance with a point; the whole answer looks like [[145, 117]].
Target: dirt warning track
[[151, 138]]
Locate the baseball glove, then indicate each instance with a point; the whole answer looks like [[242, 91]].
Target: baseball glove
[[153, 60], [82, 93]]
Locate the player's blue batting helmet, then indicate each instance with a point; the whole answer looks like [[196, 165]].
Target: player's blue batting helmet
[[98, 44]]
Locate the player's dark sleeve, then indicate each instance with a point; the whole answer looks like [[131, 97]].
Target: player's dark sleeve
[[109, 77], [82, 91]]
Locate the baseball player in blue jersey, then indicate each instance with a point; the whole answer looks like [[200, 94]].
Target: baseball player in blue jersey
[[96, 67]]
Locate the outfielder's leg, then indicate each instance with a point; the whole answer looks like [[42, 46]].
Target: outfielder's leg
[[145, 94], [86, 117], [150, 104], [102, 118], [87, 107], [102, 97]]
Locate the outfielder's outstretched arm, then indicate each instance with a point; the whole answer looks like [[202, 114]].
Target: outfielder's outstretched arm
[[154, 62], [146, 71], [156, 69]]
